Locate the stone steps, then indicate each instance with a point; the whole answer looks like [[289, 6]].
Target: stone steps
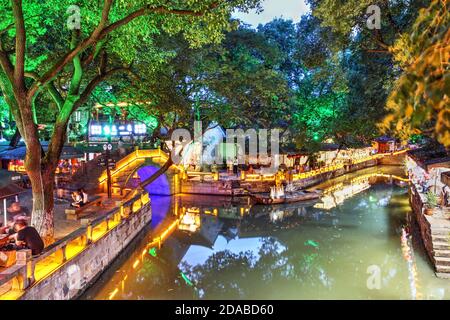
[[443, 275], [441, 245], [436, 231], [440, 238], [443, 270], [442, 262], [442, 253]]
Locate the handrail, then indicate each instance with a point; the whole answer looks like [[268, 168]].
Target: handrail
[[59, 248], [135, 156], [140, 154]]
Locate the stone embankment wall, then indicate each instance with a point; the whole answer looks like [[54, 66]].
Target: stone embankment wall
[[393, 160], [434, 231], [76, 275], [237, 188]]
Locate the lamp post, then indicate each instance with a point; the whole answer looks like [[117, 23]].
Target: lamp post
[[107, 162]]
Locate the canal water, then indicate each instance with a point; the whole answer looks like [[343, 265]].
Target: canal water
[[356, 243]]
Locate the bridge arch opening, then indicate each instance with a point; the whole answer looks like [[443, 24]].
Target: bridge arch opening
[[159, 187]]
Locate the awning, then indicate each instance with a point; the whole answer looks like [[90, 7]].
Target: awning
[[8, 184], [68, 152], [11, 190]]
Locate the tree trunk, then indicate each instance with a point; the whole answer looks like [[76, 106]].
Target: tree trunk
[[43, 201], [41, 172]]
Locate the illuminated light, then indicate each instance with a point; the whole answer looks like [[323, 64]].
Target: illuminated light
[[152, 252], [170, 228], [186, 279], [106, 130], [114, 130], [135, 264], [121, 128], [123, 165], [311, 243], [113, 294], [129, 128], [96, 130], [140, 128]]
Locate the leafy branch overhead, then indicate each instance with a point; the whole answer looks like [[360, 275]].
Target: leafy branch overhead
[[41, 56], [421, 98]]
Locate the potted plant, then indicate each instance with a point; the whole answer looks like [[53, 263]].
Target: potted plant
[[432, 202]]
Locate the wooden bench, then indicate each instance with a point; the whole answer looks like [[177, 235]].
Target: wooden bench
[[74, 213]]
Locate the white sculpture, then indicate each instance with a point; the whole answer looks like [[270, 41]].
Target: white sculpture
[[276, 192]]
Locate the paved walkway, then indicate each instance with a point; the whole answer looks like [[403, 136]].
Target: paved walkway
[[63, 227]]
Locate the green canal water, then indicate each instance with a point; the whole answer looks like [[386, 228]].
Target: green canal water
[[354, 244]]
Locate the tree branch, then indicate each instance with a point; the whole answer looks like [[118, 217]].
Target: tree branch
[[7, 66], [102, 31], [54, 93], [158, 10], [74, 52], [77, 75], [95, 82], [19, 69]]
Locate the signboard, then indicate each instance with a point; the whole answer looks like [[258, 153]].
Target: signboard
[[103, 129], [111, 163]]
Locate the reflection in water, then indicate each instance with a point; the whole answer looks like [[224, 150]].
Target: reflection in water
[[211, 248], [408, 255], [337, 194]]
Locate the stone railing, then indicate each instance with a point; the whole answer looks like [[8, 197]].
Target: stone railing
[[28, 271]]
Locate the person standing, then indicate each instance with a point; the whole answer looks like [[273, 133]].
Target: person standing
[[84, 196], [445, 196], [230, 166]]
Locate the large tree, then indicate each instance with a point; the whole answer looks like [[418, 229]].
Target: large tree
[[44, 49], [420, 100], [407, 60]]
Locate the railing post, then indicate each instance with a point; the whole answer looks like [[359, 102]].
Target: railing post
[[89, 234], [117, 217], [23, 258], [31, 266], [122, 211], [63, 253]]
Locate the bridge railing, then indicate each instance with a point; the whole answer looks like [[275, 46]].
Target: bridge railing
[[26, 272]]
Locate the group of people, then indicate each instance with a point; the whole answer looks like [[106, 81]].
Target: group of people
[[19, 233], [80, 198]]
